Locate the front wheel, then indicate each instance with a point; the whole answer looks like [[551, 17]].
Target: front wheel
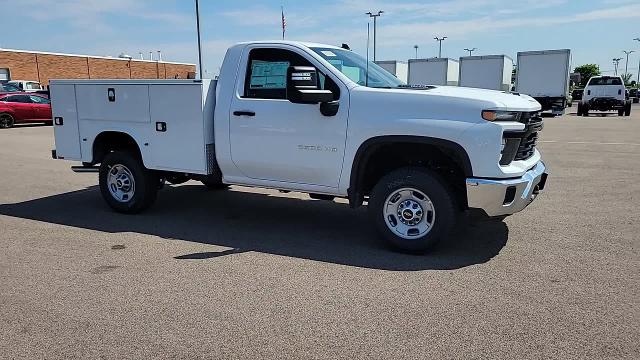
[[126, 185], [412, 209]]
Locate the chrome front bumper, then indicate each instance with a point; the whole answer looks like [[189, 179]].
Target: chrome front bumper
[[505, 197]]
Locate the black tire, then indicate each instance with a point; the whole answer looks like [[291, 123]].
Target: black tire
[[145, 183], [579, 112], [585, 110], [444, 215], [621, 112], [6, 121], [627, 109]]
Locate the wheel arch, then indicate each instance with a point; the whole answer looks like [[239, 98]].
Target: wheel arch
[[368, 150], [112, 140]]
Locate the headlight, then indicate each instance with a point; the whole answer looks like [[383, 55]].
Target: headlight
[[493, 115]]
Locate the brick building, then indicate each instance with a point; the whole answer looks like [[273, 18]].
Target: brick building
[[43, 66]]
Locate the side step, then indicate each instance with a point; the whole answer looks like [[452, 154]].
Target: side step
[[85, 169]]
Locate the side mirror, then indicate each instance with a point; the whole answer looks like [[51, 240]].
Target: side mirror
[[303, 86]]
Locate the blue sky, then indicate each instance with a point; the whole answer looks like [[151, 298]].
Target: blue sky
[[595, 31]]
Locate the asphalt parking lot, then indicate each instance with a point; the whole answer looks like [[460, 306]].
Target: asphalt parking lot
[[249, 273]]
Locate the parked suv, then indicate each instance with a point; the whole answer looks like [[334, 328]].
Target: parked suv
[[605, 93]]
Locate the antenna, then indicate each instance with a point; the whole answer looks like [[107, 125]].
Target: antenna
[[366, 76]]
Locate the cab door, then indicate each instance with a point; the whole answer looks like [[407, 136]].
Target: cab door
[[274, 139], [21, 106]]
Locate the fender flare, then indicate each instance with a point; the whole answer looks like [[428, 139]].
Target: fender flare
[[368, 147]]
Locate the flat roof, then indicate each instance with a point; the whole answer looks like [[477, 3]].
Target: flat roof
[[91, 56]]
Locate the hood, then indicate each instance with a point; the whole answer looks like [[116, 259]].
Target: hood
[[492, 99]]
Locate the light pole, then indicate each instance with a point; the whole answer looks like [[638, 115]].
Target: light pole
[[638, 81], [616, 61], [416, 47], [199, 42], [626, 64], [470, 50], [374, 16], [440, 40]]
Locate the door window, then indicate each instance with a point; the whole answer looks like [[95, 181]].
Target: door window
[[18, 99], [39, 100], [267, 74], [33, 86]]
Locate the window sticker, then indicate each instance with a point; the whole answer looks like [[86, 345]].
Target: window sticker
[[268, 75], [328, 53]]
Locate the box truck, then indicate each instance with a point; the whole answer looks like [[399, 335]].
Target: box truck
[[399, 69], [435, 71], [544, 75], [491, 72], [298, 117]]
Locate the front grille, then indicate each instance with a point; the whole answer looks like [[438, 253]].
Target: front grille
[[527, 147], [521, 145]]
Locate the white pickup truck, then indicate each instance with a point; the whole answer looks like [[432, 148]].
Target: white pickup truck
[[311, 118]]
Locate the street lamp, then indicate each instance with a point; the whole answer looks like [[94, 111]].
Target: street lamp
[[626, 64], [616, 61], [199, 42], [638, 81], [440, 40], [470, 50], [374, 16], [416, 47]]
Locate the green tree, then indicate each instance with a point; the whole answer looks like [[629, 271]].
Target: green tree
[[626, 78], [586, 72]]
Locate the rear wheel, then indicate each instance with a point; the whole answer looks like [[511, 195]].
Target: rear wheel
[[6, 121], [412, 209], [579, 112], [627, 109], [126, 185], [621, 112], [585, 110]]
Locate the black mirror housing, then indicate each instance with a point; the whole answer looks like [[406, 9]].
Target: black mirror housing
[[303, 86]]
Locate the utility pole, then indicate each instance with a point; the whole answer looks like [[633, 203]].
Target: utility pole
[[638, 81], [374, 16], [626, 64], [199, 41], [470, 50], [440, 40], [416, 47], [616, 61]]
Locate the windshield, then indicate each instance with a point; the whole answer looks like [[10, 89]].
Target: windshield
[[8, 88], [354, 67]]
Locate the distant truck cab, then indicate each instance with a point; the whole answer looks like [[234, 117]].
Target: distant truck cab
[[605, 93]]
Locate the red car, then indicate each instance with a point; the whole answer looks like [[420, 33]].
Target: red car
[[18, 108]]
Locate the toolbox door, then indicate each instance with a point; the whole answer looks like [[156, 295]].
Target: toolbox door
[[65, 121]]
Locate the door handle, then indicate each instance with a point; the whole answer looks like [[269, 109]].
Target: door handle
[[244, 113]]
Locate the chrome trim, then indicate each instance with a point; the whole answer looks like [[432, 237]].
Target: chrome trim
[[489, 194]]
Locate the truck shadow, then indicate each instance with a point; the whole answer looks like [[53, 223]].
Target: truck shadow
[[308, 229]]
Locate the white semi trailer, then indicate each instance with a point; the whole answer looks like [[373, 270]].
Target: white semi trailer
[[491, 72], [544, 75], [435, 71], [399, 69]]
